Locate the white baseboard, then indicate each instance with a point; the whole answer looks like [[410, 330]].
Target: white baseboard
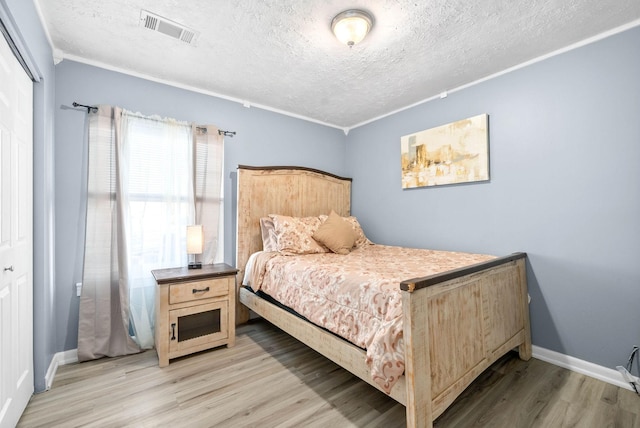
[[574, 364], [59, 359], [583, 367]]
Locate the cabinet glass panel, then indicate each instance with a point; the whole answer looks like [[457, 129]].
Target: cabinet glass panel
[[198, 324]]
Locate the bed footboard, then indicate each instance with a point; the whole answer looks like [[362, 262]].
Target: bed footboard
[[456, 325]]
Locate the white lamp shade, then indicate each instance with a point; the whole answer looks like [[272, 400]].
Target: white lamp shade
[[195, 239], [351, 26]]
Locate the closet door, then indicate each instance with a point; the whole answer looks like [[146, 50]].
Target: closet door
[[16, 243]]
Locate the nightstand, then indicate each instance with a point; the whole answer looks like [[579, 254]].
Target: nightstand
[[195, 309]]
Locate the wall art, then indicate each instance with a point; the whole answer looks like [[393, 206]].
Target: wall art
[[455, 153]]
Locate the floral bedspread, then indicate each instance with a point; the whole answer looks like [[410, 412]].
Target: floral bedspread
[[356, 296]]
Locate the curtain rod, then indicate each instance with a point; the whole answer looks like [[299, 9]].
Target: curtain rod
[[220, 131], [89, 108]]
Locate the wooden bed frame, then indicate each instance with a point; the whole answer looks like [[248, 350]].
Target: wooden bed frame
[[456, 324]]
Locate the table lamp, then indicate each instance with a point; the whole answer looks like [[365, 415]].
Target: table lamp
[[195, 245]]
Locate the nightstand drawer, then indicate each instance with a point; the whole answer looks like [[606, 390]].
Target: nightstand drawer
[[198, 290]]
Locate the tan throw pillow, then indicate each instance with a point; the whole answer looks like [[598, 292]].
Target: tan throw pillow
[[361, 239], [336, 234]]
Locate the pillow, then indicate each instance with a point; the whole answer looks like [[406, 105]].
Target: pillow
[[294, 235], [267, 228], [336, 234], [361, 239]]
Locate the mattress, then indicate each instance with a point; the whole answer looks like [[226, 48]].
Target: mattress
[[355, 296]]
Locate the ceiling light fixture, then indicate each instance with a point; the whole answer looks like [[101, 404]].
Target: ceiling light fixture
[[351, 26]]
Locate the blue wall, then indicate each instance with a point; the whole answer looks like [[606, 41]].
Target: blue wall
[[263, 138], [565, 188]]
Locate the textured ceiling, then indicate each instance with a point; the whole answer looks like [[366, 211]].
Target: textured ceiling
[[281, 54]]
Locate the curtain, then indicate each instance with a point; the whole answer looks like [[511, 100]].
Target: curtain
[[162, 175], [156, 205], [208, 156], [104, 303]]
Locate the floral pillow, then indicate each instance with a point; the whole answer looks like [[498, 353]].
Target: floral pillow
[[269, 242], [294, 235]]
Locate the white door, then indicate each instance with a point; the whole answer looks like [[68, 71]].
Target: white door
[[16, 244]]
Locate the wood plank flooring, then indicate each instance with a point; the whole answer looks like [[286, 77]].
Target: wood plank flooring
[[271, 380]]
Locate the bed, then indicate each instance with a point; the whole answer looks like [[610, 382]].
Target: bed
[[455, 324]]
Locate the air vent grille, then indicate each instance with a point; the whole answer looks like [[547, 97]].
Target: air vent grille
[[166, 26], [150, 22]]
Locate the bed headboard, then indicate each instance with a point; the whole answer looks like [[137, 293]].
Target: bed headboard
[[287, 190]]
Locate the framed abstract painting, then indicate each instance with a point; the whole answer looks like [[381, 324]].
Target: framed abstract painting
[[455, 153]]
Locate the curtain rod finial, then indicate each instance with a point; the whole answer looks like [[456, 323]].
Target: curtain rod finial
[[89, 108]]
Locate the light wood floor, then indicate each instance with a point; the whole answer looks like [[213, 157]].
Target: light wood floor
[[269, 379]]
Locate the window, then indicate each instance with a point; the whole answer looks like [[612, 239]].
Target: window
[[148, 178]]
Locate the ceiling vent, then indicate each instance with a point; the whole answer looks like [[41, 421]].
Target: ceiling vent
[[165, 26]]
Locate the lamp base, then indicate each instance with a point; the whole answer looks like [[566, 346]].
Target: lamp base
[[194, 265]]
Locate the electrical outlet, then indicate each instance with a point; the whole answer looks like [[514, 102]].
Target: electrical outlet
[[78, 289]]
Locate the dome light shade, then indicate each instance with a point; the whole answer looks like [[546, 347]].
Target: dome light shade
[[351, 26]]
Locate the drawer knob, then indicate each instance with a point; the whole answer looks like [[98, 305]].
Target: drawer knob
[[204, 290]]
